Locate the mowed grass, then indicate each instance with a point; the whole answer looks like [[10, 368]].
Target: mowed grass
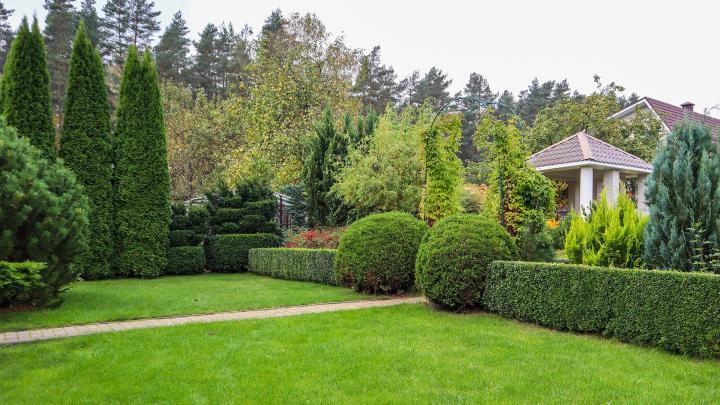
[[405, 354], [111, 300]]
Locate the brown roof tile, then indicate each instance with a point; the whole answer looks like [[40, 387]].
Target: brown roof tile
[[583, 147], [672, 114]]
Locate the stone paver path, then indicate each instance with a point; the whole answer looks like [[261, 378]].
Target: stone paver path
[[69, 331]]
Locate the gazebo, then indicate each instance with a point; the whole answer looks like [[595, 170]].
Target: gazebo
[[589, 165]]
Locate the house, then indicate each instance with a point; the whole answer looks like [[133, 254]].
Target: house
[[589, 165], [669, 114]]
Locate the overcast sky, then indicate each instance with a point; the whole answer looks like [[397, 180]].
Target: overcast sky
[[669, 50]]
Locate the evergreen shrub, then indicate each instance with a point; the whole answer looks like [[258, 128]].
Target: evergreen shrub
[[678, 312], [185, 260], [454, 255], [21, 283], [314, 265], [229, 253], [189, 230], [377, 253]]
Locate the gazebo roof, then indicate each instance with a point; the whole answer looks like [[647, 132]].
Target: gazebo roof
[[583, 149]]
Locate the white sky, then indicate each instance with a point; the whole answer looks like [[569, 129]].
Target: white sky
[[669, 50]]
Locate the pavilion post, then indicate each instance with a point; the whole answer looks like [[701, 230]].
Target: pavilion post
[[611, 183], [586, 188]]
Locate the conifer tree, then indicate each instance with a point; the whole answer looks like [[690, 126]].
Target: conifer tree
[[205, 70], [87, 150], [683, 194], [327, 151], [143, 22], [6, 33], [60, 24], [25, 93], [172, 53], [141, 174], [88, 15], [114, 28]]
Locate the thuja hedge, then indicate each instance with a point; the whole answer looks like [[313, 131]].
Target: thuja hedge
[[229, 253], [188, 230], [314, 265], [679, 312]]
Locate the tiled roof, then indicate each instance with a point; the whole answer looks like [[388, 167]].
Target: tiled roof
[[670, 114], [584, 148]]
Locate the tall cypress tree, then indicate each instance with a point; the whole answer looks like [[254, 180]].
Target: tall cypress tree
[[141, 174], [327, 151], [683, 193], [25, 93], [87, 150]]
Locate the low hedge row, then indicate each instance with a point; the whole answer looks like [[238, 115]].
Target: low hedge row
[[229, 253], [679, 312], [314, 265], [185, 260]]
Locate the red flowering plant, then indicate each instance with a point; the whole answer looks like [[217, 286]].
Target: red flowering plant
[[319, 238]]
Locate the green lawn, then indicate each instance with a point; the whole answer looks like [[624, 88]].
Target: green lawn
[[404, 354], [96, 301]]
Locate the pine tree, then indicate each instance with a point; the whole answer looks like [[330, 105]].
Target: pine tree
[[88, 15], [6, 33], [172, 53], [327, 151], [87, 150], [376, 84], [432, 87], [141, 174], [25, 93], [143, 22], [478, 88], [205, 69], [683, 193], [114, 28], [60, 24]]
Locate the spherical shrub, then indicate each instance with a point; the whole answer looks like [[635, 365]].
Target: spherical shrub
[[377, 253], [453, 257]]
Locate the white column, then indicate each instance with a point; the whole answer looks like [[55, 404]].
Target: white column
[[586, 188], [640, 194], [611, 182]]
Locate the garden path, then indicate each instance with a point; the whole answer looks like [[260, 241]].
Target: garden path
[[103, 327]]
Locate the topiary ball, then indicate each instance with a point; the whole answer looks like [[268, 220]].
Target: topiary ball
[[454, 255], [377, 253]]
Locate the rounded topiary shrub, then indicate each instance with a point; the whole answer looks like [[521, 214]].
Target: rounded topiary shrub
[[377, 253], [454, 255]]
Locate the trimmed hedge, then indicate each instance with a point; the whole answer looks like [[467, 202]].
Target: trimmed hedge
[[679, 312], [454, 255], [314, 265], [185, 260], [377, 253], [229, 253], [22, 283]]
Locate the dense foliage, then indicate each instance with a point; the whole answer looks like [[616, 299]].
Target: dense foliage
[[44, 214], [388, 175], [248, 207], [229, 253], [25, 89], [679, 312], [528, 197], [611, 235], [683, 193], [314, 265], [454, 255], [443, 169], [141, 172], [188, 230], [317, 238], [21, 283], [87, 151], [326, 151], [377, 253]]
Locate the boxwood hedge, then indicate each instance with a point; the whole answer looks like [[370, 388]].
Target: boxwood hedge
[[186, 260], [314, 265], [679, 312], [229, 253]]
